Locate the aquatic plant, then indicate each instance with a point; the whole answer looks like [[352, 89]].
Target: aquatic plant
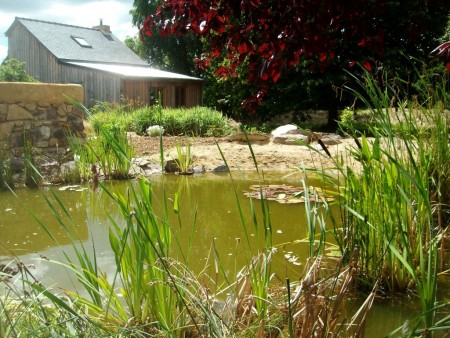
[[110, 150], [183, 159], [6, 178], [32, 175], [394, 201]]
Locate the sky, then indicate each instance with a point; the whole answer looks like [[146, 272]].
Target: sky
[[84, 13]]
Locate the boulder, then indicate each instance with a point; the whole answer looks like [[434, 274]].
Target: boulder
[[284, 130], [290, 139], [220, 169], [253, 138], [171, 166], [331, 139]]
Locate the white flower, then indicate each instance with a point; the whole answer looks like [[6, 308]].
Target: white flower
[[155, 130]]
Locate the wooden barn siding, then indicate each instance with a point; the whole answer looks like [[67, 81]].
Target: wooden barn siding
[[40, 63], [98, 86], [139, 90]]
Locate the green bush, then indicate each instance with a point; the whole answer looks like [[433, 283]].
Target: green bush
[[12, 70], [196, 121]]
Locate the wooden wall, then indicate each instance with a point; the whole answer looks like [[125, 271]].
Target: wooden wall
[[139, 90], [40, 64]]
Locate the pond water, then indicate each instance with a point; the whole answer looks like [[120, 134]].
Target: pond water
[[208, 199]]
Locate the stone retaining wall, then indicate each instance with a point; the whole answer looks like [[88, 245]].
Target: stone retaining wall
[[41, 111], [317, 118]]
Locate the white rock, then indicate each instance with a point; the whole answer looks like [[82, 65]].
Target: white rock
[[283, 129]]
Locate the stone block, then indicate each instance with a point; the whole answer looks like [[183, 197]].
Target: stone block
[[6, 129], [3, 109], [45, 132], [62, 111], [30, 106], [16, 112]]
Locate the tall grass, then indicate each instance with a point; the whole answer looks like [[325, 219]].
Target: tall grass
[[109, 150], [6, 177], [394, 199], [31, 173], [195, 121]]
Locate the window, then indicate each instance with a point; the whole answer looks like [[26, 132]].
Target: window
[[81, 41], [154, 94], [180, 97]]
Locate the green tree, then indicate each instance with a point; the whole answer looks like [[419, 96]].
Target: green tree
[[13, 70], [175, 53]]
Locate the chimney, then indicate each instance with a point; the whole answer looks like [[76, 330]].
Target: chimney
[[104, 28]]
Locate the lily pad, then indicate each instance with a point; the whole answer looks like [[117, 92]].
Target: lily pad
[[285, 194]]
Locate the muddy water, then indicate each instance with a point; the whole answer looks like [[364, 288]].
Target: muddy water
[[208, 220]]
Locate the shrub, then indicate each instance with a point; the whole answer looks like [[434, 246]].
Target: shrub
[[12, 70]]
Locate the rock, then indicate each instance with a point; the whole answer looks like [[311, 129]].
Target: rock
[[68, 167], [292, 139], [198, 169], [17, 164], [171, 166], [152, 169], [283, 129], [220, 169], [240, 137], [330, 140], [141, 162], [16, 112]]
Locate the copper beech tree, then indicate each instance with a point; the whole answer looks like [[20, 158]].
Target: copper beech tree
[[271, 36]]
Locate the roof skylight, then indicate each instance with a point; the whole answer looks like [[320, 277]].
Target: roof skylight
[[81, 41]]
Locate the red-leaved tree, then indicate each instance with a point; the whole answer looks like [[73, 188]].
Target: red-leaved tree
[[272, 36]]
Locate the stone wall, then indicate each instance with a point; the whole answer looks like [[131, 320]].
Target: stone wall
[[316, 118], [40, 111]]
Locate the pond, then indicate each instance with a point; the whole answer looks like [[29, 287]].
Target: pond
[[208, 199]]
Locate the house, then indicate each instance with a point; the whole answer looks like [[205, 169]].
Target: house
[[93, 57]]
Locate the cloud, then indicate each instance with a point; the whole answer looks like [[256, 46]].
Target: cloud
[[85, 13]]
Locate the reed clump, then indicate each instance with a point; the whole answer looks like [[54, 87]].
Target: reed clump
[[394, 200]]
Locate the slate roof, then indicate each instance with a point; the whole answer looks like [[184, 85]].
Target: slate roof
[[58, 39]]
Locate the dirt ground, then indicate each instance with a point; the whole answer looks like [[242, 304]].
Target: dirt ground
[[269, 156]]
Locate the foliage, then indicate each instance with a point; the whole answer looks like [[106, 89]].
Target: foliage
[[6, 179], [184, 159], [32, 176], [174, 53], [109, 149], [13, 70], [272, 37], [24, 313], [196, 121], [443, 52], [394, 200]]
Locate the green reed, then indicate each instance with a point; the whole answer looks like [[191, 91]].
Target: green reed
[[32, 176], [6, 177], [110, 150], [258, 267], [184, 159], [393, 199]]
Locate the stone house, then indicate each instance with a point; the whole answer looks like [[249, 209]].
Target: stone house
[[93, 57]]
